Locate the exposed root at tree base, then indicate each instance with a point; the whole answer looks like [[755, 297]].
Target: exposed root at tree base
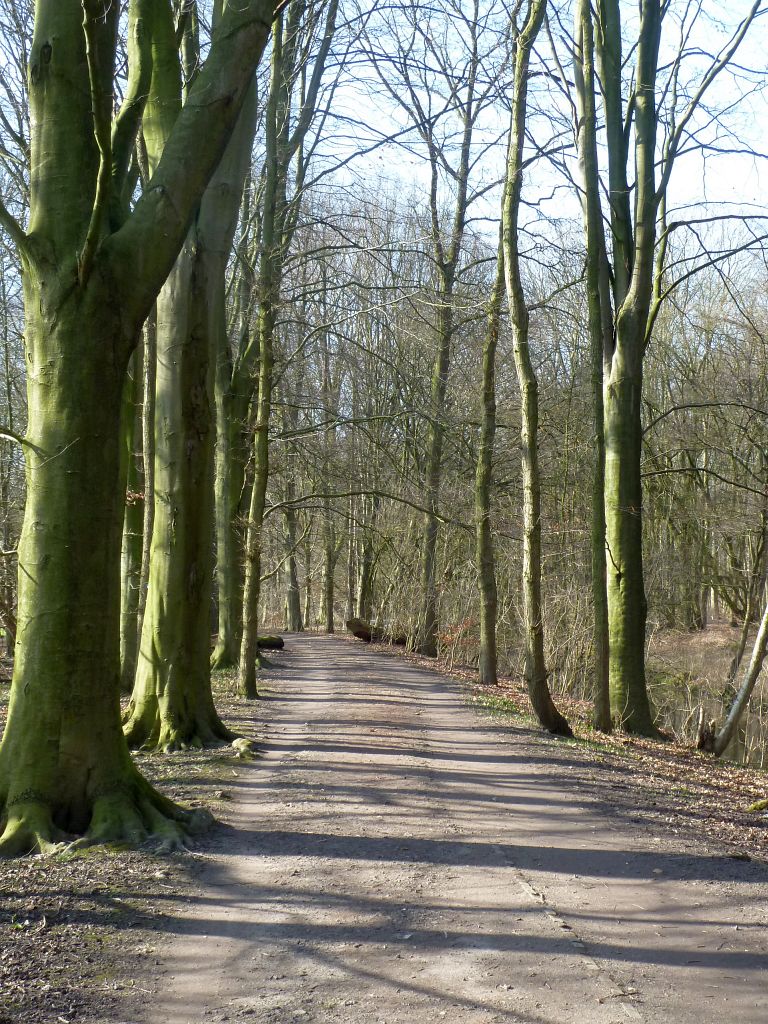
[[222, 658], [150, 732], [29, 829], [560, 728], [134, 814]]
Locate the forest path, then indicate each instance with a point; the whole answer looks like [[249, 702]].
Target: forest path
[[399, 858]]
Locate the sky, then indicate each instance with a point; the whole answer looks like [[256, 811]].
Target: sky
[[728, 182]]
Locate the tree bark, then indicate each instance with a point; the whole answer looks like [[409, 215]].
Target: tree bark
[[484, 546], [622, 391], [294, 618], [535, 668], [218, 223], [601, 344], [427, 634], [172, 706], [88, 285], [148, 461], [133, 524]]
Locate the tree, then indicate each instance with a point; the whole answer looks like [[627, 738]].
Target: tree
[[284, 139], [535, 667], [636, 208], [91, 274], [484, 548], [600, 323], [433, 67], [172, 704]]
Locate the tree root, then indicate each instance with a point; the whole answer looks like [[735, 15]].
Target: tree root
[[145, 729], [559, 727], [134, 814], [29, 829], [223, 658]]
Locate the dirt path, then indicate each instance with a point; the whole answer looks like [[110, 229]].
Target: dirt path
[[398, 858]]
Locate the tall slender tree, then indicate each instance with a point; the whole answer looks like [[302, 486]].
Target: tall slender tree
[[284, 140], [535, 666], [433, 66], [637, 207], [484, 546]]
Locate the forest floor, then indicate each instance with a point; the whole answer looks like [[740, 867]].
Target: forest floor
[[398, 854]]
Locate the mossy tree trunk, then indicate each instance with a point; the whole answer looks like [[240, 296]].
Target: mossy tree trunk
[[172, 705], [428, 626], [637, 276], [233, 388], [233, 397], [148, 464], [91, 273], [633, 248], [217, 227], [484, 546], [133, 522], [535, 668], [600, 318]]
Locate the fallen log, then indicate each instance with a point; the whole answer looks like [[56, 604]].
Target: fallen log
[[363, 631], [270, 643], [372, 634]]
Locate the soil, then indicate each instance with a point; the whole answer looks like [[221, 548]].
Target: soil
[[398, 854]]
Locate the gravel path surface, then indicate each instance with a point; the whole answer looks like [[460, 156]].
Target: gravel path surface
[[397, 857]]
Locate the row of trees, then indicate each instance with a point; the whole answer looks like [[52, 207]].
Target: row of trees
[[352, 358]]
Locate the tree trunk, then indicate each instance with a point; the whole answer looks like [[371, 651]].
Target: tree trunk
[[535, 668], [249, 648], [133, 524], [349, 608], [148, 463], [366, 560], [67, 670], [172, 705], [91, 273], [230, 462], [231, 393], [329, 571], [427, 633], [484, 547], [633, 276], [601, 344], [270, 272], [624, 543], [294, 619], [739, 706], [307, 580]]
